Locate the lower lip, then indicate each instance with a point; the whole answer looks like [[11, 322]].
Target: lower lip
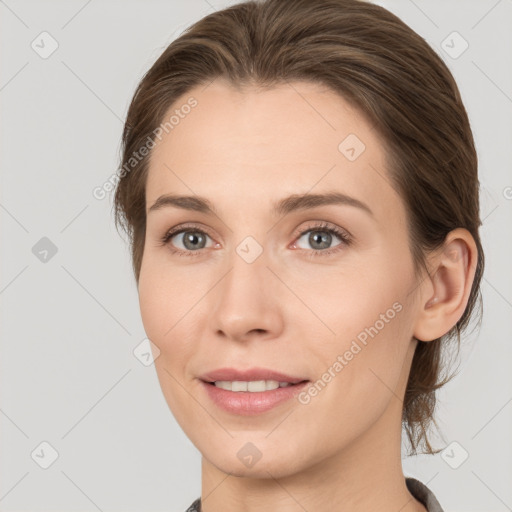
[[248, 403]]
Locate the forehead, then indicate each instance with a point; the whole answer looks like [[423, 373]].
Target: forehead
[[290, 138]]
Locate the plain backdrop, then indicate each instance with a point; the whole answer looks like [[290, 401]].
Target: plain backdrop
[[74, 396]]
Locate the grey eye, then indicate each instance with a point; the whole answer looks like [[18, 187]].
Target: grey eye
[[319, 239], [190, 240]]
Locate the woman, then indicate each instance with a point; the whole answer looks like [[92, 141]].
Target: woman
[[299, 184]]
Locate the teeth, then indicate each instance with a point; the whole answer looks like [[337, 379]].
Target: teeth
[[251, 386]]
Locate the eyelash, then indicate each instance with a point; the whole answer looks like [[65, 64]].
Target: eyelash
[[345, 238]]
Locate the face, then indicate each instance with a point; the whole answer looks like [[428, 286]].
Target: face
[[317, 290]]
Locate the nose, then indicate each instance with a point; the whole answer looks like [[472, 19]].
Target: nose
[[247, 301]]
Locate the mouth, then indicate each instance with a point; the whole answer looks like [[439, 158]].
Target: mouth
[[252, 386], [254, 379], [252, 391]]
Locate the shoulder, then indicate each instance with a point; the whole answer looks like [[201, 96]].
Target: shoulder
[[195, 507], [423, 494]]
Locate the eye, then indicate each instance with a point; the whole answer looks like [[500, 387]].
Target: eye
[[185, 241], [321, 236]]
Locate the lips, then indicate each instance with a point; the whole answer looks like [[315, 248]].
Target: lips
[[252, 374], [228, 389]]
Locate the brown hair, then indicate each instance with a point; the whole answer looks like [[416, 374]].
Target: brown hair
[[374, 60]]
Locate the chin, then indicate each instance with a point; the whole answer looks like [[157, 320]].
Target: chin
[[263, 469], [244, 458]]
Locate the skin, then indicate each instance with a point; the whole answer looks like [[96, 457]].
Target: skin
[[243, 150]]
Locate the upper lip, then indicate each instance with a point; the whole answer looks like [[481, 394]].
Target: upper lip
[[251, 374]]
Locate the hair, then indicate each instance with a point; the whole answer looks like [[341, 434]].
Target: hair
[[383, 68]]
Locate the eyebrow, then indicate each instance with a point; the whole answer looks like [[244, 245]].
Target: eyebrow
[[295, 202]]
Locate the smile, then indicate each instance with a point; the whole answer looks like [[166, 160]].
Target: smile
[[250, 386]]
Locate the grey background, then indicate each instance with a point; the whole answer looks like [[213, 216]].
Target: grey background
[[68, 375]]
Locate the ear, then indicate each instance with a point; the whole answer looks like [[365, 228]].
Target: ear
[[445, 293]]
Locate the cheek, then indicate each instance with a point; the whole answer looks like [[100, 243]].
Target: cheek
[[372, 322], [356, 305], [366, 378], [172, 305], [163, 298], [165, 306], [153, 304]]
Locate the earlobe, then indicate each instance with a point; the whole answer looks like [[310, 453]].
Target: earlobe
[[451, 279]]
